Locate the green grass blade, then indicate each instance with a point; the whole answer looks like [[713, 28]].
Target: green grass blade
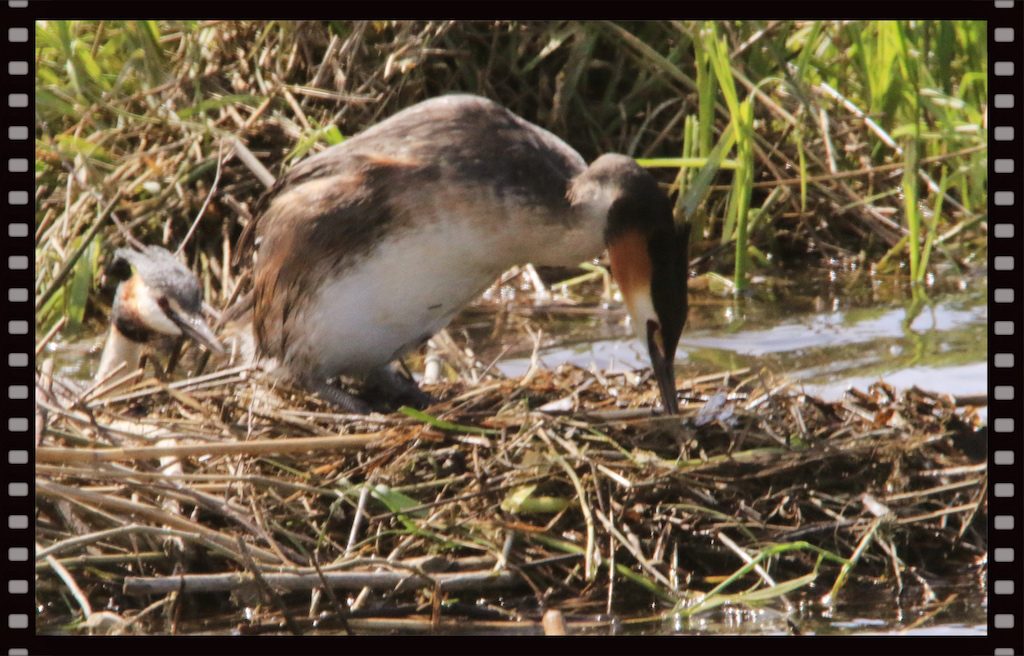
[[705, 95], [419, 415], [684, 162], [77, 297], [701, 184], [933, 225]]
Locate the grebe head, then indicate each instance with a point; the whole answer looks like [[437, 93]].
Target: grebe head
[[158, 296], [648, 253]]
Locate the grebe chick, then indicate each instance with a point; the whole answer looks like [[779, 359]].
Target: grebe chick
[[158, 297]]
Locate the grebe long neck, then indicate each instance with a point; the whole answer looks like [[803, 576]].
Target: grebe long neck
[[118, 349]]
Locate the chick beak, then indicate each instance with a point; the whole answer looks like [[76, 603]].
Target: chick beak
[[663, 366], [194, 326]]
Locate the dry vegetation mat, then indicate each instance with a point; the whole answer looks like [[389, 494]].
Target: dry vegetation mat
[[509, 498]]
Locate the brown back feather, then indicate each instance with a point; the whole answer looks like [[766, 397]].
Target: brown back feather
[[318, 226]]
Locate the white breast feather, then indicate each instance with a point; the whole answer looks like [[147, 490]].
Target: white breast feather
[[407, 290], [416, 281]]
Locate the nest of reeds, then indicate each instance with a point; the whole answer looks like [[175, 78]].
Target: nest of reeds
[[509, 498]]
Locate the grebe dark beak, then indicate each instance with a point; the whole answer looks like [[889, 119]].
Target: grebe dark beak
[[663, 366], [193, 326]]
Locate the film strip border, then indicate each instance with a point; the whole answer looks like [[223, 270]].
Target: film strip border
[[18, 279], [1006, 302], [1006, 68]]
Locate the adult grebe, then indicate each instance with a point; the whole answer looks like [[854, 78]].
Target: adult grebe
[[368, 248]]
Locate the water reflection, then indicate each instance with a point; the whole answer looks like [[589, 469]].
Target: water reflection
[[937, 344]]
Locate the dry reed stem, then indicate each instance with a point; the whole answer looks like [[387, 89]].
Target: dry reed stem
[[377, 580], [278, 446]]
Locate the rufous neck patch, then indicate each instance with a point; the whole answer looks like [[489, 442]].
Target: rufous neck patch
[[631, 263]]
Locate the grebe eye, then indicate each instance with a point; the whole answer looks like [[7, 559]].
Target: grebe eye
[[120, 270]]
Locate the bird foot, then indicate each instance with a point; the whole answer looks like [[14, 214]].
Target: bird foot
[[395, 389], [342, 399], [385, 389]]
